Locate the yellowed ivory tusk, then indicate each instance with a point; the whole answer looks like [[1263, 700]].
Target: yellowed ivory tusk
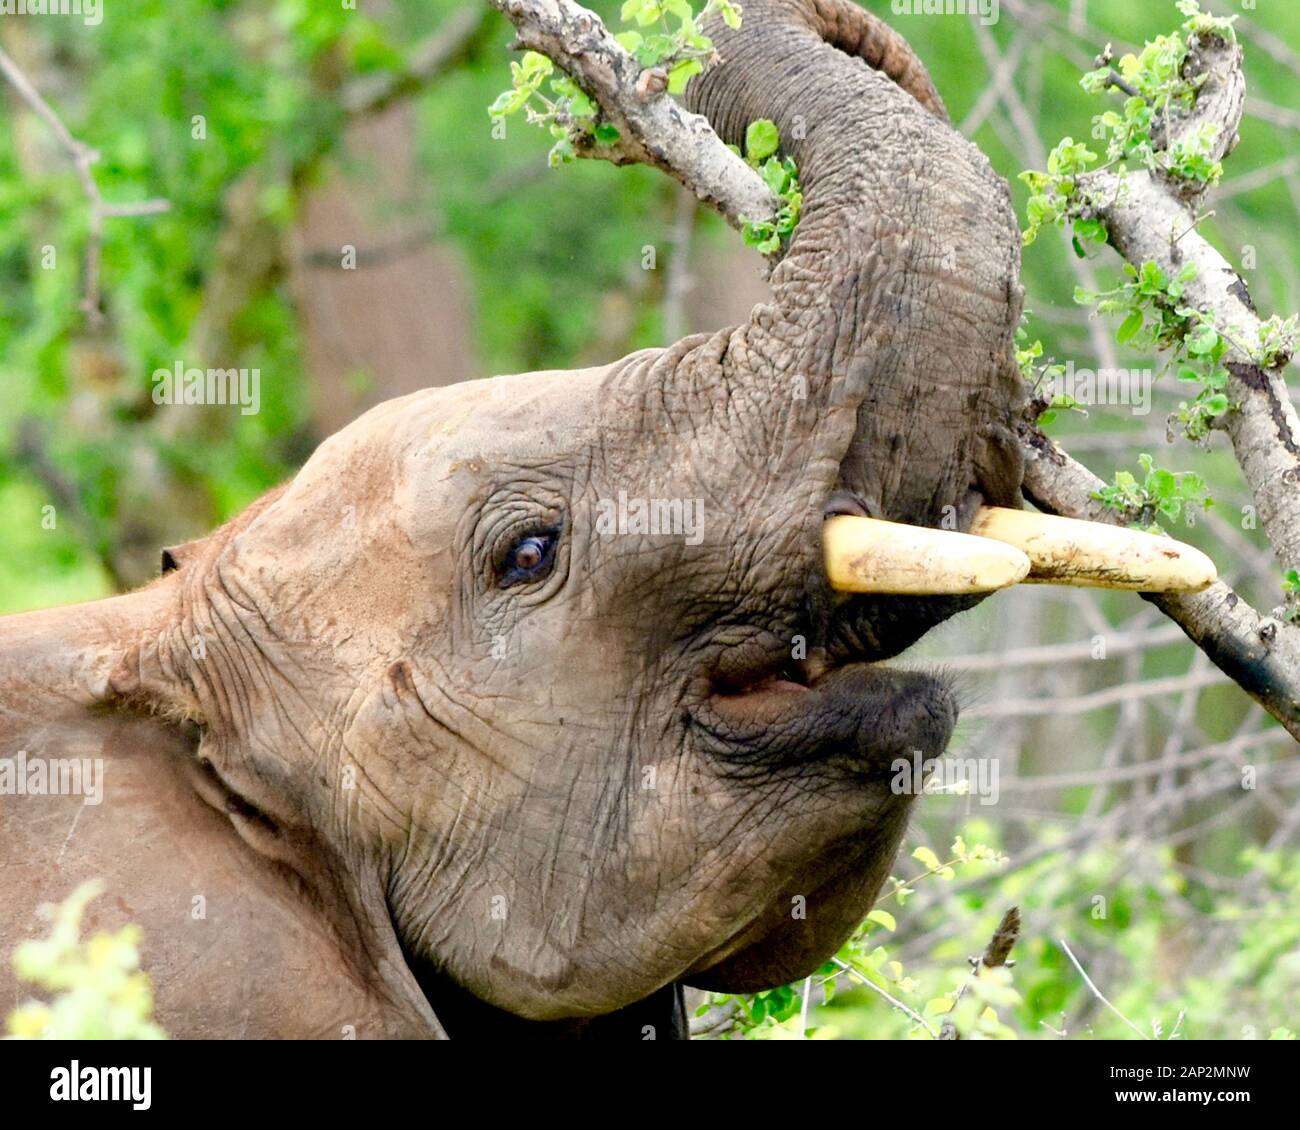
[[1067, 551], [868, 555]]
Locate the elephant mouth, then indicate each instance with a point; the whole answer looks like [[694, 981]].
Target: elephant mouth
[[881, 587], [860, 714]]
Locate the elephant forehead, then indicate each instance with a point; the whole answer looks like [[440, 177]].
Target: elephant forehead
[[441, 442], [523, 416]]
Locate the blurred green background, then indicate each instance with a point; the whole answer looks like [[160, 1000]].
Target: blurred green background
[[284, 133]]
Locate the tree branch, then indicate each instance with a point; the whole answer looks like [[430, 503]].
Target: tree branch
[[454, 39], [995, 954], [1259, 653], [654, 129], [1151, 218], [1096, 992]]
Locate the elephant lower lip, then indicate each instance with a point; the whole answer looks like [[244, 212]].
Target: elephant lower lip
[[869, 711]]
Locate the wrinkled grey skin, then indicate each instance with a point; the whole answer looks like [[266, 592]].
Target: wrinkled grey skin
[[416, 799]]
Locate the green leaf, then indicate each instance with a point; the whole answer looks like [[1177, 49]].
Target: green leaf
[[1094, 230], [926, 857], [883, 918], [534, 64], [1152, 279], [561, 153], [762, 139], [507, 102], [580, 106], [775, 176], [681, 74], [1161, 483], [939, 1006], [1203, 340], [655, 48], [1130, 326]]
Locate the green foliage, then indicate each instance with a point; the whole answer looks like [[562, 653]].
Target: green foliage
[[1028, 356], [867, 958], [570, 111], [1125, 909], [140, 81], [1161, 494], [682, 51], [1155, 317], [1052, 192], [1277, 340], [98, 990], [762, 140], [1206, 23], [676, 46], [1291, 586], [1154, 84]]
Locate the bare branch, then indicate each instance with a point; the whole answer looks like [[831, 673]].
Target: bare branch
[[454, 39], [995, 954], [910, 1013], [83, 158], [1058, 705], [1096, 992]]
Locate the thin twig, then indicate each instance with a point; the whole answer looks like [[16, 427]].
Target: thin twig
[[83, 157], [1097, 992], [915, 1016]]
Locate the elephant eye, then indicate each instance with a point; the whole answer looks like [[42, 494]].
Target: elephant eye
[[529, 559]]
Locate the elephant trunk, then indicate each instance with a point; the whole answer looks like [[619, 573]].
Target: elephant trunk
[[896, 302]]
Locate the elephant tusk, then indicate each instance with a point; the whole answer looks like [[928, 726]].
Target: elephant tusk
[[868, 555], [1069, 551]]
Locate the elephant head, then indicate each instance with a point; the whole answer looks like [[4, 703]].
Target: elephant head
[[539, 680]]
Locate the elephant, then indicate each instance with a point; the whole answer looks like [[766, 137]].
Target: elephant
[[530, 700]]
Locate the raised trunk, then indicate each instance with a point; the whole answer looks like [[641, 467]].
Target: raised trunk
[[897, 301]]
